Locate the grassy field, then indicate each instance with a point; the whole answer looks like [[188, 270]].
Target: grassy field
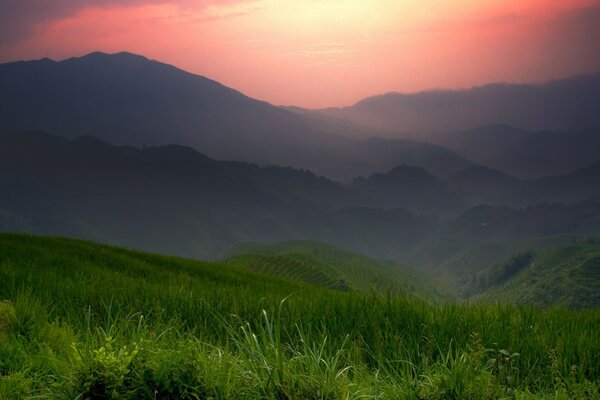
[[80, 320]]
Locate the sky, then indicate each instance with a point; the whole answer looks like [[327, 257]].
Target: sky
[[320, 53]]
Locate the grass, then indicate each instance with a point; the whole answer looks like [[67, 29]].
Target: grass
[[84, 321], [568, 275]]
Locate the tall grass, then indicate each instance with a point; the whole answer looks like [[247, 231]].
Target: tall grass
[[87, 321]]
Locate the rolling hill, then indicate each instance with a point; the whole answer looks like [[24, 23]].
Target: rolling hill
[[568, 275], [329, 266], [484, 236]]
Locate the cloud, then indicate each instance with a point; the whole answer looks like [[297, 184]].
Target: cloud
[[20, 19]]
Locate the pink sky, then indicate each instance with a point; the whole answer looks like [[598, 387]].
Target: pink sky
[[319, 53]]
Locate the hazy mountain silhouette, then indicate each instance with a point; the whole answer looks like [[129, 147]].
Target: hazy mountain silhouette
[[126, 99], [125, 182], [573, 187], [523, 153], [381, 155], [566, 104], [484, 185], [176, 200], [408, 187]]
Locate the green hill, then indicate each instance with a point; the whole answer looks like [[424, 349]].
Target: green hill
[[329, 266], [568, 275], [86, 321]]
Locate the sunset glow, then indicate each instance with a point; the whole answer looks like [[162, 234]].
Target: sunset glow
[[318, 53]]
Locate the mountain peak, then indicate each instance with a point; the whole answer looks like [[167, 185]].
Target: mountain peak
[[97, 55]]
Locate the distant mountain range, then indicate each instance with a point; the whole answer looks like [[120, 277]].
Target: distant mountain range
[[529, 131], [175, 200], [124, 150], [566, 105], [126, 99], [522, 153]]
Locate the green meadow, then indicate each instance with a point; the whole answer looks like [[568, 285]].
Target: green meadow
[[85, 321]]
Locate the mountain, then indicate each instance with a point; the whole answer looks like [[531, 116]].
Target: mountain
[[171, 199], [567, 275], [485, 185], [329, 266], [576, 186], [379, 154], [126, 99], [523, 153], [566, 105], [408, 187], [174, 200]]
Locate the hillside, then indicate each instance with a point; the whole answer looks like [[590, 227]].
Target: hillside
[[80, 320], [329, 266], [484, 236], [568, 275]]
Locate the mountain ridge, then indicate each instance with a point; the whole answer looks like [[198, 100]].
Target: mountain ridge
[[562, 104]]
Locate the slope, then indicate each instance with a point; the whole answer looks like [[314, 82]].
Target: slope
[[80, 320], [333, 267], [485, 235], [568, 275]]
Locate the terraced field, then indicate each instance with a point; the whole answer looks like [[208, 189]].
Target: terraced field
[[329, 266], [85, 321], [567, 275]]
